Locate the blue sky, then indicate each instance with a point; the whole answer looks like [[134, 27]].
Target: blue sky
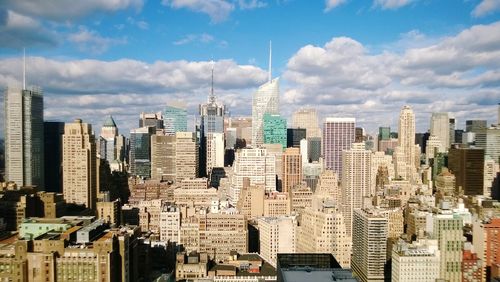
[[344, 57]]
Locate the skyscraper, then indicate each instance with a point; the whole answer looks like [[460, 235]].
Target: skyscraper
[[369, 236], [109, 132], [467, 165], [163, 157], [175, 118], [338, 135], [140, 151], [79, 164], [53, 132], [212, 121], [405, 155], [292, 169], [440, 127], [308, 119], [265, 100], [356, 180], [274, 130], [186, 155], [24, 155]]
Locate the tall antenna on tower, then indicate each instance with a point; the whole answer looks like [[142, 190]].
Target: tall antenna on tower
[[270, 60], [24, 68], [211, 98]]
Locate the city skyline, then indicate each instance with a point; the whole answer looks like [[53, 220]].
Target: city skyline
[[94, 60]]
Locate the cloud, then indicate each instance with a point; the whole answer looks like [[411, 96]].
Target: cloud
[[92, 89], [451, 73], [486, 7], [91, 41], [217, 10], [140, 24], [190, 38], [64, 10], [331, 4], [251, 4], [391, 4], [18, 31]]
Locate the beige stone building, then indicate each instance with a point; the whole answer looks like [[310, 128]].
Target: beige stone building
[[251, 201], [163, 157], [186, 155], [110, 212], [277, 235], [308, 119], [79, 164], [322, 230], [445, 182], [170, 224], [292, 169], [300, 198], [276, 204], [191, 266]]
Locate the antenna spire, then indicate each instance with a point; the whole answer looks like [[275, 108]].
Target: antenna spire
[[270, 60], [211, 98], [24, 68]]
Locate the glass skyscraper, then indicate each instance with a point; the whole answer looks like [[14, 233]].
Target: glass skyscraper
[[175, 118], [274, 130], [265, 100], [140, 151], [24, 138]]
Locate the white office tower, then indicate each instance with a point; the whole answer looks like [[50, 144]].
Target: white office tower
[[265, 101], [215, 151], [258, 166], [440, 127], [433, 146], [406, 160], [308, 119], [277, 235], [356, 180], [369, 243], [448, 230], [322, 230], [416, 262], [24, 158]]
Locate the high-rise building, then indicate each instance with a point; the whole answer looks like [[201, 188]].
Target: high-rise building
[[338, 135], [163, 157], [416, 262], [475, 125], [215, 151], [356, 180], [406, 161], [151, 119], [24, 156], [489, 140], [212, 113], [255, 164], [308, 119], [440, 127], [485, 238], [140, 151], [322, 230], [292, 169], [175, 118], [384, 133], [467, 165], [79, 164], [186, 155], [369, 236], [53, 132], [448, 230], [265, 100], [313, 149], [275, 132], [294, 135], [109, 132], [277, 235]]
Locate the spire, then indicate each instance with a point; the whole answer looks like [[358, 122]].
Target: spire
[[211, 98], [270, 60], [24, 68]]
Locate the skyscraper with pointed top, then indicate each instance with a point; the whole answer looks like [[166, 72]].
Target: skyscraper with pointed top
[[265, 101], [211, 121], [24, 152]]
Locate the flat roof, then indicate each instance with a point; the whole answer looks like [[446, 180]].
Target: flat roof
[[317, 275]]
